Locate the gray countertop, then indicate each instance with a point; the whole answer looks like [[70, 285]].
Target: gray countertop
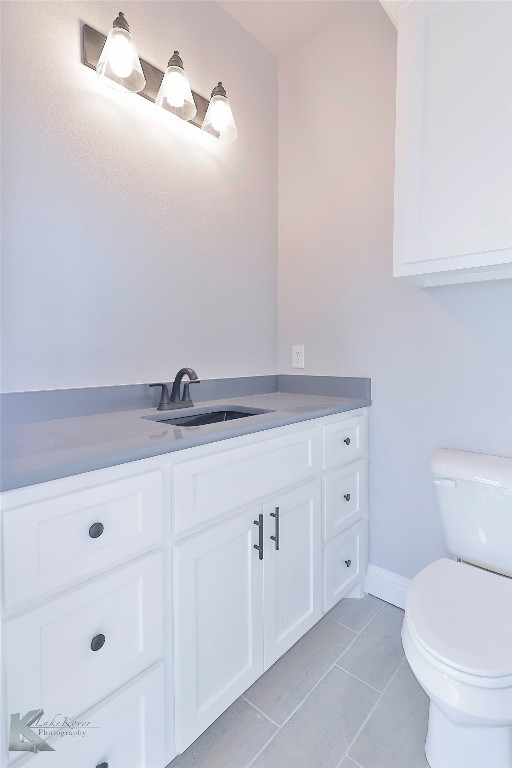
[[48, 450]]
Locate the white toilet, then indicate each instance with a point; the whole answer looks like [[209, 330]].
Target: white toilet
[[457, 629]]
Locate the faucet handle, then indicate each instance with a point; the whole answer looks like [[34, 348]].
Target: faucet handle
[[165, 403], [185, 398]]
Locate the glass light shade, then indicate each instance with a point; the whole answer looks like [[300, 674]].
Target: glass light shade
[[119, 65], [175, 95], [219, 121]]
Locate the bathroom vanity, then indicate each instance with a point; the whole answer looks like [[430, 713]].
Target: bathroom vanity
[[149, 595]]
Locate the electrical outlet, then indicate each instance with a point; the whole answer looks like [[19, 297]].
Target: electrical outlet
[[298, 356]]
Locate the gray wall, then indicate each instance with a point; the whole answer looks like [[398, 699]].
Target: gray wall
[[131, 243], [440, 359], [132, 246]]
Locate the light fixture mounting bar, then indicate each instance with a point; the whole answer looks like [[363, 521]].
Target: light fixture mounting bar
[[92, 45]]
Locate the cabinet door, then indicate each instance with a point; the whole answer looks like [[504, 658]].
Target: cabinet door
[[293, 584], [453, 180], [218, 621]]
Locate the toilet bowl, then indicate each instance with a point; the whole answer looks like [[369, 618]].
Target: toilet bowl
[[457, 628], [457, 637]]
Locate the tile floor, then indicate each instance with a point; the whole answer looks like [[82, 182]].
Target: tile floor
[[342, 697]]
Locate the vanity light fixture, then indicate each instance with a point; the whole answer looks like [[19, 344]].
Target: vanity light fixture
[[175, 90], [219, 121], [119, 64]]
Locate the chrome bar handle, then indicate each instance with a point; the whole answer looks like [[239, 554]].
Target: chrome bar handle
[[276, 537], [259, 545]]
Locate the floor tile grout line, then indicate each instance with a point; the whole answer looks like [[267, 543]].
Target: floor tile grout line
[[357, 636], [370, 713], [263, 748], [359, 680], [261, 712], [299, 705], [280, 727], [358, 632], [339, 624], [363, 628], [354, 761]]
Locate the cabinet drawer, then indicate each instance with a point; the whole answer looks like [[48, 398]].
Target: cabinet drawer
[[51, 544], [49, 651], [345, 441], [210, 486], [125, 731], [344, 497], [344, 563]]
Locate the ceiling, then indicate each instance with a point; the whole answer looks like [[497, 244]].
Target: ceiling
[[280, 25]]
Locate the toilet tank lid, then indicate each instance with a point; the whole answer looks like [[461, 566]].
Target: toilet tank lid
[[474, 467]]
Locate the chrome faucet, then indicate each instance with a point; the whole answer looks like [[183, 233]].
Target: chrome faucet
[[168, 404]]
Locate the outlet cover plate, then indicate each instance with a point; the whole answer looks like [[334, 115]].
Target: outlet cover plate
[[297, 356]]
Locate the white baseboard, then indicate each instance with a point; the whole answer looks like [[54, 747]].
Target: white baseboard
[[387, 585]]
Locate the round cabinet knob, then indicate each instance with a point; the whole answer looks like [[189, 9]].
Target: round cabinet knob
[[97, 642], [348, 563], [346, 496], [102, 765], [96, 530], [347, 441]]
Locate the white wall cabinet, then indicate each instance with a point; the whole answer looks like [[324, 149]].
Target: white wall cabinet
[[453, 173], [159, 562]]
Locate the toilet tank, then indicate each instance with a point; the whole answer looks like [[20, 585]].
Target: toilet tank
[[474, 494]]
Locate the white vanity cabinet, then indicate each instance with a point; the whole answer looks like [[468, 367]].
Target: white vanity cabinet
[[453, 164], [238, 608], [248, 584], [145, 598], [85, 633], [344, 508]]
